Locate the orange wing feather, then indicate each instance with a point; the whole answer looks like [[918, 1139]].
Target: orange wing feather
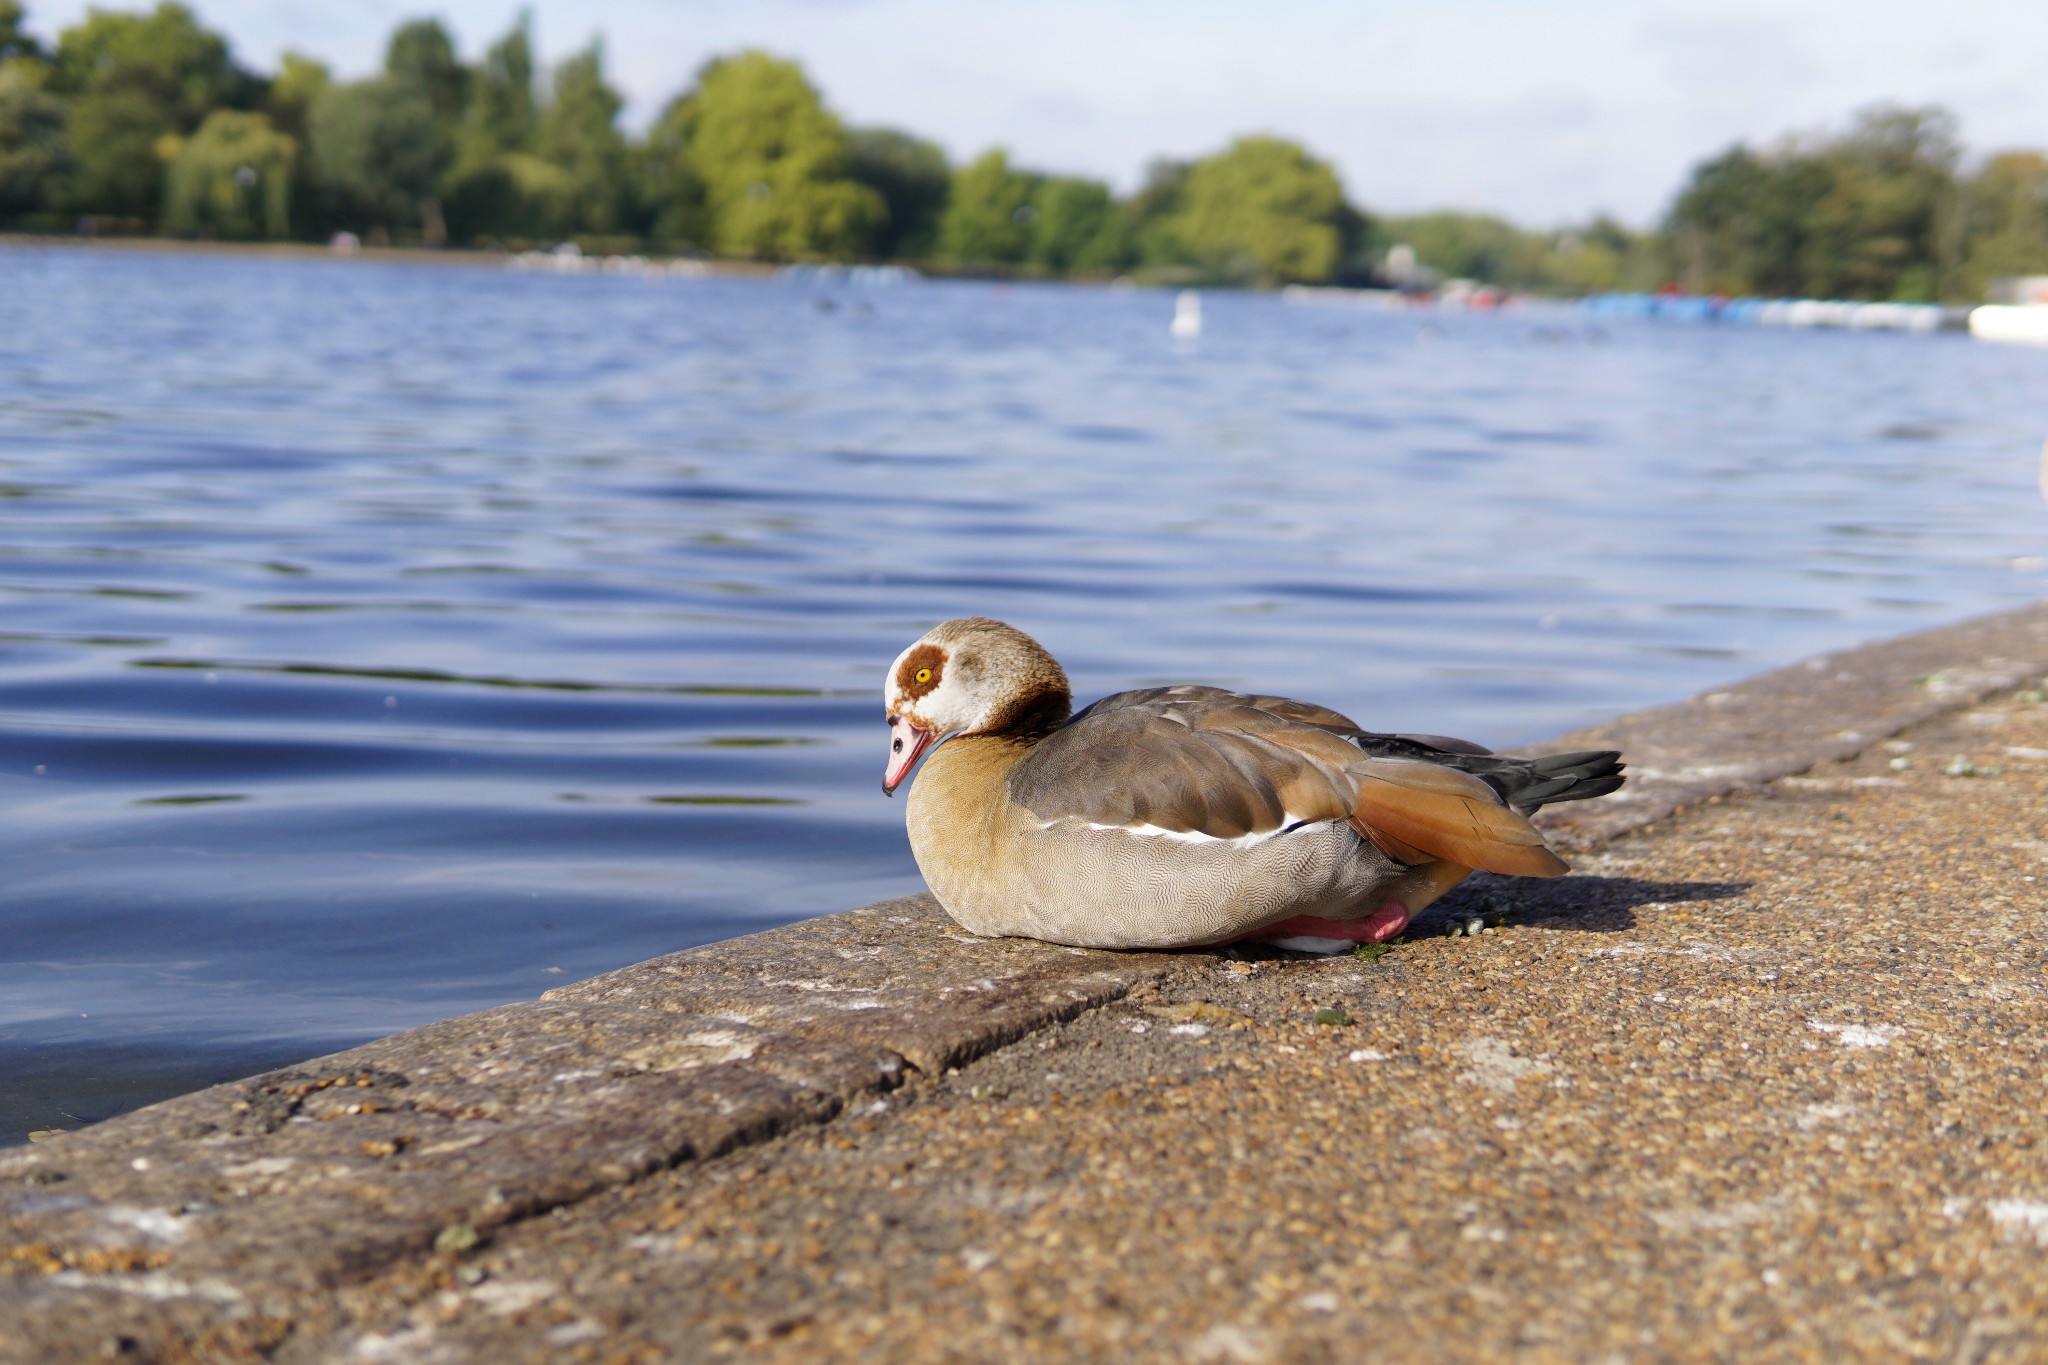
[[1446, 814]]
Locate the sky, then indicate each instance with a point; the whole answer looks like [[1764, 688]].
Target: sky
[[1543, 112]]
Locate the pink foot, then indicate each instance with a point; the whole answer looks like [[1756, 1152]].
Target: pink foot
[[1382, 924]]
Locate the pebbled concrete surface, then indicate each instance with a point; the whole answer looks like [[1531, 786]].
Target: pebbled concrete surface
[[1761, 1081], [1765, 1083], [216, 1225], [1832, 706]]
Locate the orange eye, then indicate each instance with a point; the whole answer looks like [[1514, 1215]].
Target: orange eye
[[924, 675]]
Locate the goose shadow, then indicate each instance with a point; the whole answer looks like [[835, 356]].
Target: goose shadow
[[1584, 903]]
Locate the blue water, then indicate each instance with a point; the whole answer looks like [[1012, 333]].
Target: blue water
[[379, 642]]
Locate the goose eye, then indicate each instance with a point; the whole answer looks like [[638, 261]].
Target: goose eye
[[924, 675], [896, 747]]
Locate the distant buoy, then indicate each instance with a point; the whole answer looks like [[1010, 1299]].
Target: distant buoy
[[1187, 314]]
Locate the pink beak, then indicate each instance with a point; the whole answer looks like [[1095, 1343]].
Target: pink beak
[[906, 743]]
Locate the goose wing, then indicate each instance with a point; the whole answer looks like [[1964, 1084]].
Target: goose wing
[[1204, 761]]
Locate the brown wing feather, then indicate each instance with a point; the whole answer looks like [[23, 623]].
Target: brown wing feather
[[1447, 814], [1306, 712], [1186, 759], [1210, 761]]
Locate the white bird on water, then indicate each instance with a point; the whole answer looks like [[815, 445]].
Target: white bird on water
[[1187, 314]]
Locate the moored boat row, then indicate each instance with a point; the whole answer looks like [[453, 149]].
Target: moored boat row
[[1848, 314]]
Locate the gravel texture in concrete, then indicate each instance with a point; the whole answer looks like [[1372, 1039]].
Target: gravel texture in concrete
[[1832, 706], [215, 1225], [1764, 1083], [1760, 1081]]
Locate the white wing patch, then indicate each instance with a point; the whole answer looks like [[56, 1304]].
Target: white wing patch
[[1289, 824]]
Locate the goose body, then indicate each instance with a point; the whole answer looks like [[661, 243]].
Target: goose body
[[1182, 816]]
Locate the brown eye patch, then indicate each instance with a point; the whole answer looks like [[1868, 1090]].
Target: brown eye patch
[[921, 671]]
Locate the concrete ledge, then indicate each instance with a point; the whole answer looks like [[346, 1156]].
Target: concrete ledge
[[1830, 707], [212, 1223], [230, 1205]]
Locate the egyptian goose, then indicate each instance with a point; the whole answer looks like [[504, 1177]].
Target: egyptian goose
[[1180, 816]]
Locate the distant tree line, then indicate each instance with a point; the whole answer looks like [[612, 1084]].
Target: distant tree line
[[143, 122], [1887, 209], [1883, 210]]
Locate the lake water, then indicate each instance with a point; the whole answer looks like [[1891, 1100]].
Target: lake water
[[381, 642]]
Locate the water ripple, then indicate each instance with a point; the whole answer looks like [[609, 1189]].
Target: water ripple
[[379, 639]]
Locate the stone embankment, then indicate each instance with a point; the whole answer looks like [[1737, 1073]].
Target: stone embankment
[[1762, 1079]]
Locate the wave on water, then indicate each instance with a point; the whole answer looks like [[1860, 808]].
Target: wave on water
[[404, 641]]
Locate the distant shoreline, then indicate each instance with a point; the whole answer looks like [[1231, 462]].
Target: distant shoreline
[[2019, 324], [510, 261], [502, 258], [467, 257]]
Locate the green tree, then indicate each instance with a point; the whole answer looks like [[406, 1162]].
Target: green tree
[[989, 219], [420, 63], [134, 83], [421, 57], [1882, 231], [299, 82], [670, 191], [498, 187], [16, 41], [1598, 258], [1263, 207], [1714, 224], [1740, 224], [232, 179], [525, 171], [379, 150], [579, 136], [33, 157], [1469, 246], [1870, 214], [912, 177], [1077, 228], [502, 115], [2006, 217], [514, 197], [197, 70], [772, 160], [1150, 214], [117, 133]]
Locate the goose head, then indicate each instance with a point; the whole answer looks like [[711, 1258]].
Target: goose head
[[971, 676]]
